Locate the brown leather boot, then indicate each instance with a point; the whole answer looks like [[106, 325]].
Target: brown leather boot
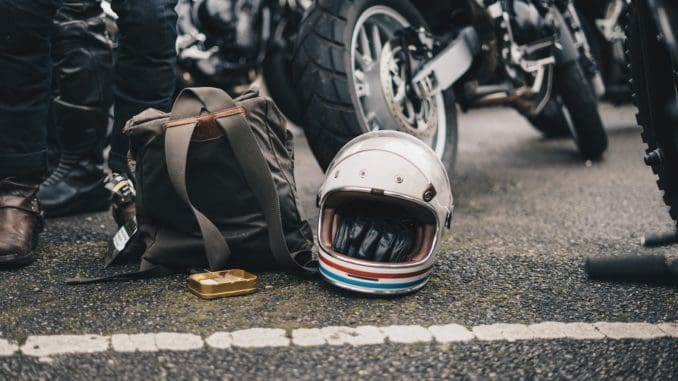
[[21, 220]]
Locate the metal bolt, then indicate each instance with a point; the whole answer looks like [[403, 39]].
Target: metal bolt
[[336, 174], [362, 173], [429, 193], [653, 157], [428, 196], [398, 179]]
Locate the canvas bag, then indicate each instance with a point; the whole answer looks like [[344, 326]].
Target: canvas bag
[[215, 188]]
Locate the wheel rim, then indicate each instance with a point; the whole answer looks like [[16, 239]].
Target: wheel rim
[[377, 82]]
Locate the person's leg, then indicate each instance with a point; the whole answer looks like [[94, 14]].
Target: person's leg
[[143, 77], [24, 84], [82, 58], [25, 64], [144, 72]]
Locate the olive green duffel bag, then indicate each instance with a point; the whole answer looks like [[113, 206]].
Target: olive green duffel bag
[[215, 188]]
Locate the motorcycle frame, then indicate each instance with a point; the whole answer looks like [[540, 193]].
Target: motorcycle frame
[[665, 14], [606, 25], [189, 51], [453, 62], [571, 17]]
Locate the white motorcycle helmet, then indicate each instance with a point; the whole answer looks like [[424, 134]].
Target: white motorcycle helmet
[[384, 207]]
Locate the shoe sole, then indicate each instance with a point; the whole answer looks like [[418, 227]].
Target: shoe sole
[[16, 260], [12, 261]]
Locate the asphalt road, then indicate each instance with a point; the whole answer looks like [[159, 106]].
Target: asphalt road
[[528, 211]]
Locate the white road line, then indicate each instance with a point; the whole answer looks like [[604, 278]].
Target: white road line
[[142, 342], [307, 337], [407, 334], [581, 331], [450, 332], [362, 335], [45, 346], [41, 346], [260, 337], [510, 332], [629, 330], [549, 330], [178, 341], [671, 329], [7, 348], [557, 330], [219, 340]]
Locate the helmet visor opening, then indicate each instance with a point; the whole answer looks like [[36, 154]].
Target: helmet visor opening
[[376, 228]]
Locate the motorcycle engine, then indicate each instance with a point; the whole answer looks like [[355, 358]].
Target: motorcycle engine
[[219, 37], [230, 22], [528, 25]]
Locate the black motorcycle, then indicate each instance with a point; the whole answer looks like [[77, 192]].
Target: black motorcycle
[[653, 54], [368, 65], [652, 50]]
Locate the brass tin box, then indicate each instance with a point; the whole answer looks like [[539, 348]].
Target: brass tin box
[[220, 284]]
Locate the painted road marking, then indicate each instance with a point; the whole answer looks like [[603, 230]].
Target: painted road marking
[[362, 335], [178, 341], [557, 330], [407, 334], [151, 342], [451, 332], [510, 332], [219, 340], [671, 329], [41, 346], [143, 342], [307, 337], [44, 346], [629, 330], [260, 337], [7, 348]]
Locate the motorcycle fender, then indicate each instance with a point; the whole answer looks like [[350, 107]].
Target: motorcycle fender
[[567, 51]]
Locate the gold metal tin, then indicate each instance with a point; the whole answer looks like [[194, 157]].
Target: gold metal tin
[[220, 284]]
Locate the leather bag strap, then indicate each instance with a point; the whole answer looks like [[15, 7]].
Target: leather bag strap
[[149, 272]]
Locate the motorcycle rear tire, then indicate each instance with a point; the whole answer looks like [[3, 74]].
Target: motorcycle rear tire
[[278, 78], [581, 105], [321, 66], [551, 121]]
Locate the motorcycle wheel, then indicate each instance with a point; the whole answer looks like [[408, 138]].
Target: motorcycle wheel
[[277, 70], [573, 111], [334, 72], [654, 93], [551, 121], [580, 110]]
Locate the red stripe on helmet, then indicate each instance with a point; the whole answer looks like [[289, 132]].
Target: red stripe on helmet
[[370, 274]]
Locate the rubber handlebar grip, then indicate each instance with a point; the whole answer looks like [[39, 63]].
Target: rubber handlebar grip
[[649, 267], [656, 240]]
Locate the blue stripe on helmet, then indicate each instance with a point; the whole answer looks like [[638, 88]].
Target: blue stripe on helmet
[[355, 282]]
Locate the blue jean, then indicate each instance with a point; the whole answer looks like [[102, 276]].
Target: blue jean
[[143, 75]]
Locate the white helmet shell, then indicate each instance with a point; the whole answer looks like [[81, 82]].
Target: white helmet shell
[[393, 173]]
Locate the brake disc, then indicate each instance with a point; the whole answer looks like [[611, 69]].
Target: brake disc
[[412, 107]]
